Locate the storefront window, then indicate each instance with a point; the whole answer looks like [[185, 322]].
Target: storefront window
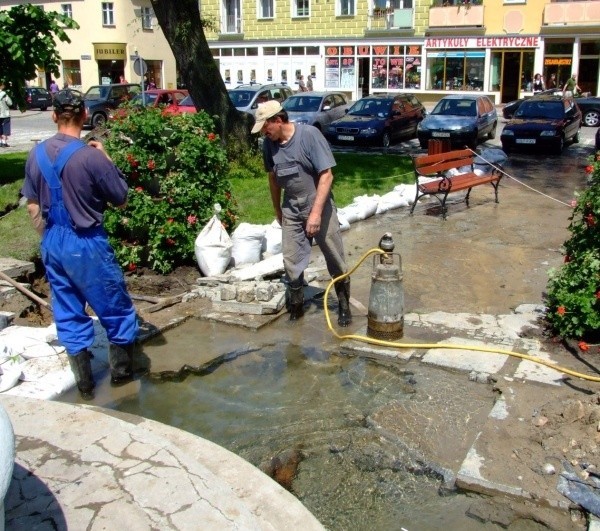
[[456, 70], [72, 73], [496, 71], [396, 67]]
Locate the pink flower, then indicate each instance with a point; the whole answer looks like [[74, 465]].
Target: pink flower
[[573, 203], [191, 219], [170, 220], [139, 189], [170, 241], [151, 164]]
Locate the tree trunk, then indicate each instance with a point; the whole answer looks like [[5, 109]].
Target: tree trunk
[[183, 28]]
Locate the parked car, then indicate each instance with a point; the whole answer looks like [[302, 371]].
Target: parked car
[[168, 98], [464, 119], [247, 97], [378, 119], [509, 109], [316, 108], [186, 105], [543, 122], [101, 99], [590, 110], [38, 98]]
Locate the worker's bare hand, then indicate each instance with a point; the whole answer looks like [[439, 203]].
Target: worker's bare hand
[[99, 146], [313, 225]]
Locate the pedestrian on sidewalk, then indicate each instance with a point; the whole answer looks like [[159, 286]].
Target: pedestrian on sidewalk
[[298, 161], [5, 104], [68, 185]]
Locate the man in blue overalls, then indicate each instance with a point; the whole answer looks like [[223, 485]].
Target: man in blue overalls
[[298, 160], [68, 186]]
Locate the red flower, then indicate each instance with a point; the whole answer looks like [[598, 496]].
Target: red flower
[[598, 294], [139, 189], [567, 259], [583, 346], [211, 136], [590, 220], [561, 310], [151, 164], [589, 169], [131, 266], [191, 219], [170, 241], [170, 220]]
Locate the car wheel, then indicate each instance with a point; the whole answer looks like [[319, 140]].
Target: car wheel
[[592, 118], [492, 133], [576, 137], [98, 119], [386, 140]]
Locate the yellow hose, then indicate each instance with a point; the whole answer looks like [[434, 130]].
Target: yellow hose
[[395, 344]]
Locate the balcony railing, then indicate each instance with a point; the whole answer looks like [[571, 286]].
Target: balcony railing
[[586, 13], [456, 16], [390, 19]]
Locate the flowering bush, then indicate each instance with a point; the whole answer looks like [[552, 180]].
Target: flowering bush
[[175, 166], [573, 297]]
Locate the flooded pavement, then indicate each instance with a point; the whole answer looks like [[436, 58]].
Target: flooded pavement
[[284, 388]]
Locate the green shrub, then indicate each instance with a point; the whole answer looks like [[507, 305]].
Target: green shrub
[[176, 168], [573, 297]]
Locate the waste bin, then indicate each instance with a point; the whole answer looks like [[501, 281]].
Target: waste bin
[[435, 146]]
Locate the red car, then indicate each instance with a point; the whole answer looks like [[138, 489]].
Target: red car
[[169, 98]]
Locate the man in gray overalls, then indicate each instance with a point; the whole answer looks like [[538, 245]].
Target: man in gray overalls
[[298, 160]]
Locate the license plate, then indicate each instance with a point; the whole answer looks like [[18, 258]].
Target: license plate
[[525, 140], [346, 137], [439, 134]]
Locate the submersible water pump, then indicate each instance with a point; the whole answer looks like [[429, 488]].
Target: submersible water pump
[[386, 301]]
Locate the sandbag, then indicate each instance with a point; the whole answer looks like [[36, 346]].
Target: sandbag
[[213, 248], [362, 207], [247, 242], [390, 201], [272, 240]]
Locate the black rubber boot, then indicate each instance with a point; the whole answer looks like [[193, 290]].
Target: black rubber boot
[[343, 293], [81, 366], [295, 298], [120, 358]]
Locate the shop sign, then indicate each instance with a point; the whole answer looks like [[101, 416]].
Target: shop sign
[[483, 42], [557, 61], [109, 51]]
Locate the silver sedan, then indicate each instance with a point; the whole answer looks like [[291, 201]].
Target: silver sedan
[[316, 108]]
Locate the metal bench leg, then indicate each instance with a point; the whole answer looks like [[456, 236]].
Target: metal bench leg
[[467, 196]]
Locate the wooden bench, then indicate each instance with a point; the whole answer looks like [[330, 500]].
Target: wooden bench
[[437, 166]]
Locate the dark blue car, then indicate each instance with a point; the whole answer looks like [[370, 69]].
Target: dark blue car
[[377, 120], [462, 119]]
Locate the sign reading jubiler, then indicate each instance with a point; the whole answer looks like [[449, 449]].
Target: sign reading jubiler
[[110, 51]]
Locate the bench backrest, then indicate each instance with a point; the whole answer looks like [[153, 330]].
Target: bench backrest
[[429, 165]]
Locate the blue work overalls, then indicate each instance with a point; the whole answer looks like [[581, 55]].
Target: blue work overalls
[[81, 267]]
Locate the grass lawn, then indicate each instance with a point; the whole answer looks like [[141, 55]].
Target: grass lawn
[[355, 175]]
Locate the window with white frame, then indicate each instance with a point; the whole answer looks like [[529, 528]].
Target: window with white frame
[[147, 15], [266, 8], [108, 14], [67, 10], [301, 8], [346, 8]]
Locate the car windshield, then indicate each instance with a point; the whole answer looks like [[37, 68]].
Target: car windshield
[[241, 98], [452, 107], [550, 110], [187, 102], [302, 104], [96, 93], [371, 107], [149, 99]]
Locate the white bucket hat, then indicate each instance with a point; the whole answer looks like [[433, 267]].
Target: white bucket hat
[[266, 110]]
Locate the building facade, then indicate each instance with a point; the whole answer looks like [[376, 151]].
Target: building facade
[[429, 47], [112, 35]]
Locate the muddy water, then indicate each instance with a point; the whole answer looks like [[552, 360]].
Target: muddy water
[[286, 400]]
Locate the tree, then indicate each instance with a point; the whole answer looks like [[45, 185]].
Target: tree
[[184, 30], [27, 42]]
